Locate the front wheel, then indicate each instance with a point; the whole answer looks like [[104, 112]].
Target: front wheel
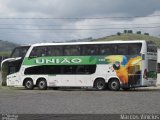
[[42, 84], [28, 84], [100, 84], [114, 85]]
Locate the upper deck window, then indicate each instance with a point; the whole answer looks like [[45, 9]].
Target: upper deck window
[[87, 50], [39, 51], [134, 49], [107, 49], [54, 50], [122, 49], [71, 50]]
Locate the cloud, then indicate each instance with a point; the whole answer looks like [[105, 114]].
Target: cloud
[[73, 9], [112, 26]]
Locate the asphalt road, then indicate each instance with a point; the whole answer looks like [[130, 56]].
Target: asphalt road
[[79, 101]]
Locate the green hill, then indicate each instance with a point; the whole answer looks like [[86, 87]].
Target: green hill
[[130, 36], [6, 47]]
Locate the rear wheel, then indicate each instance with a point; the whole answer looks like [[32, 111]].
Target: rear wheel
[[114, 85], [42, 84], [28, 84], [100, 84]]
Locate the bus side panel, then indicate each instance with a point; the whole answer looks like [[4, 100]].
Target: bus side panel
[[54, 80], [104, 71], [83, 80]]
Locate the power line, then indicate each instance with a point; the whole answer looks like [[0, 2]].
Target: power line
[[79, 25], [74, 18], [82, 28]]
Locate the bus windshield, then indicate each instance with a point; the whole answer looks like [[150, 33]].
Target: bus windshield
[[19, 51]]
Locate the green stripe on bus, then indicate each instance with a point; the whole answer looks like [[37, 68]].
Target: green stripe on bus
[[65, 60]]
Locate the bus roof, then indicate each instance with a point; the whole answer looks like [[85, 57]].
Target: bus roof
[[96, 42]]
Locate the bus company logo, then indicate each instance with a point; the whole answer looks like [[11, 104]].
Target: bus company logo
[[58, 61]]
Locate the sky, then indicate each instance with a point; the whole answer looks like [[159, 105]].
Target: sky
[[36, 21]]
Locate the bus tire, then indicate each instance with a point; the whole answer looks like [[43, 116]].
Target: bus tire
[[114, 84], [42, 84], [100, 84], [28, 84]]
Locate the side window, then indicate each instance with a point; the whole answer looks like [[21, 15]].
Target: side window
[[90, 69], [122, 50], [39, 51], [45, 69], [90, 49], [80, 69], [71, 50], [69, 69], [107, 49], [54, 51], [34, 70], [134, 49], [53, 69], [59, 69], [85, 69]]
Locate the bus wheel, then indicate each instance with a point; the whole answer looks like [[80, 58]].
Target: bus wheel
[[114, 85], [28, 84], [100, 84], [42, 84]]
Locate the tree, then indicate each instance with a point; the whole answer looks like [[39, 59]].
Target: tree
[[138, 32], [146, 33], [125, 31], [118, 33], [130, 31]]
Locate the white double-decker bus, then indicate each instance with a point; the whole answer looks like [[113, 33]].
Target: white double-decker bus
[[113, 65]]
